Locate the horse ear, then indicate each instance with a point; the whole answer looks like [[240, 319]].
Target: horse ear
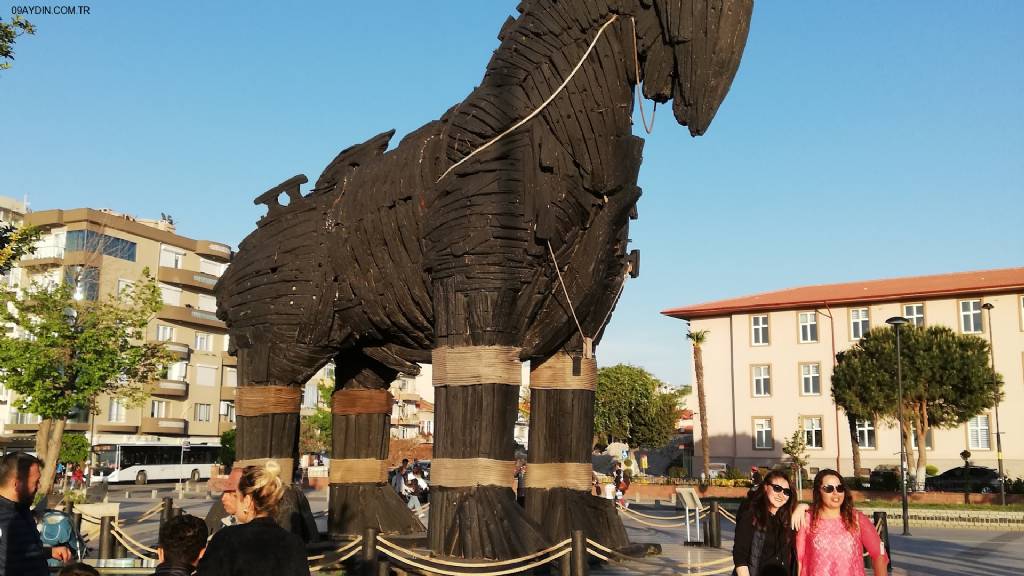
[[712, 34]]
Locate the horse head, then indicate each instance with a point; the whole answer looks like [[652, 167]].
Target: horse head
[[689, 52]]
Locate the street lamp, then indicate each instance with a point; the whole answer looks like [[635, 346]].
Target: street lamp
[[999, 438], [896, 322]]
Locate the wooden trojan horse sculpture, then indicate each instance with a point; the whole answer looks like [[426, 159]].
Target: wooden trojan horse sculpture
[[495, 235]]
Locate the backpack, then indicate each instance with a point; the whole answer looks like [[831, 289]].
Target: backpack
[[57, 529]]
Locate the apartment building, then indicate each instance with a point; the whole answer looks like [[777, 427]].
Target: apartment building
[[100, 252], [768, 359]]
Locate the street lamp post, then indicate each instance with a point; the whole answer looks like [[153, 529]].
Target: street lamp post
[[896, 322], [999, 437]]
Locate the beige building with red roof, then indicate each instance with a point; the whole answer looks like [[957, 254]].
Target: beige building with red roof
[[768, 360]]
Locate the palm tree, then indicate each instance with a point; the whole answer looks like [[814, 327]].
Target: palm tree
[[698, 338]]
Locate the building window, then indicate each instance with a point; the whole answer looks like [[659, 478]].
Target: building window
[[927, 437], [207, 302], [202, 413], [116, 411], [170, 295], [763, 434], [762, 376], [914, 313], [970, 316], [177, 371], [230, 377], [159, 409], [859, 323], [808, 326], [810, 379], [171, 258], [84, 280], [866, 433], [165, 333], [210, 267], [206, 375], [978, 433], [124, 285], [204, 342], [427, 427], [759, 330], [227, 411], [812, 431], [89, 241]]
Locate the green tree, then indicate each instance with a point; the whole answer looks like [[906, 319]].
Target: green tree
[[633, 406], [315, 429], [15, 242], [9, 32], [796, 448], [70, 351], [698, 339], [947, 380], [74, 449], [227, 447]]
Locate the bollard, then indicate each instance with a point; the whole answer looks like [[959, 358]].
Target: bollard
[[881, 521], [579, 567], [119, 550], [152, 494], [565, 565], [167, 511], [76, 520], [178, 512], [69, 507], [384, 568], [106, 538], [716, 525], [370, 552]]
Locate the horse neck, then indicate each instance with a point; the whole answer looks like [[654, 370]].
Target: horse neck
[[538, 52]]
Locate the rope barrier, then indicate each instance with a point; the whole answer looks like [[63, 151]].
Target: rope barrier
[[629, 514], [519, 560], [661, 517], [118, 530], [596, 554], [350, 554], [394, 555], [149, 513], [340, 550], [120, 538], [611, 552]]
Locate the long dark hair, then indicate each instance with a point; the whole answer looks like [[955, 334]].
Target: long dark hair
[[845, 509], [760, 505]]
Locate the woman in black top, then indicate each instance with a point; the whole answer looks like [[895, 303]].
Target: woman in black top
[[256, 545], [764, 542]]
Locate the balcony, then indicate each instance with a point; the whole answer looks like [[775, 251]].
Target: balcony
[[187, 278], [228, 360], [178, 350], [164, 426], [44, 256], [214, 250], [71, 427], [187, 315], [171, 388], [227, 393], [117, 427]]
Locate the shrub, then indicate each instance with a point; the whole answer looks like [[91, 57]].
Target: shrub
[[677, 472], [733, 474]]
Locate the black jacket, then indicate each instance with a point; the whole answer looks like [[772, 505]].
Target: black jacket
[[21, 551], [168, 569], [758, 547], [258, 548]]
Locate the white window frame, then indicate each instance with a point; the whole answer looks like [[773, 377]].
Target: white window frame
[[171, 295], [974, 426], [915, 313], [164, 333], [764, 439], [178, 371], [808, 320], [860, 322], [124, 284], [116, 411], [761, 377], [204, 342], [971, 316], [229, 377], [813, 430], [810, 374], [159, 408], [176, 259], [201, 369], [202, 412], [867, 436], [207, 302], [759, 335]]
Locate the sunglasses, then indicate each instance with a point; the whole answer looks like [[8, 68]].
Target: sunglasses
[[830, 488], [778, 489]]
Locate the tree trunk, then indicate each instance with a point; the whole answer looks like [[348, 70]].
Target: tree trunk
[[56, 433], [854, 443], [921, 430], [698, 368], [43, 438], [905, 438]]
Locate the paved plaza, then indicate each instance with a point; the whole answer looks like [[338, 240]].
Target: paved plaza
[[929, 552]]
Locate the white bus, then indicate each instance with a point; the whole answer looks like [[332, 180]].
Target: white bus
[[141, 463]]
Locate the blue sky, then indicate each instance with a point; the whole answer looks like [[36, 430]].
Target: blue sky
[[860, 140]]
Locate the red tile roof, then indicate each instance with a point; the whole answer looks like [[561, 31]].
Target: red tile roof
[[893, 289]]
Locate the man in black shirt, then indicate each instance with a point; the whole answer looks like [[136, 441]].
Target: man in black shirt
[[21, 551]]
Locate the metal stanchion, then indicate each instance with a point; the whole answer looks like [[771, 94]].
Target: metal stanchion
[[167, 511], [106, 537], [715, 521], [881, 520], [76, 520], [384, 568], [370, 566], [579, 566]]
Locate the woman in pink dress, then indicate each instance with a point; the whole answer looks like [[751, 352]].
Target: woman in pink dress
[[834, 535]]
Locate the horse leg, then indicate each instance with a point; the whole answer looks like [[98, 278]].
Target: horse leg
[[559, 473], [360, 496]]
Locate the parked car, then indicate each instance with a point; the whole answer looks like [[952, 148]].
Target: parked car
[[716, 469], [887, 477], [977, 479]]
